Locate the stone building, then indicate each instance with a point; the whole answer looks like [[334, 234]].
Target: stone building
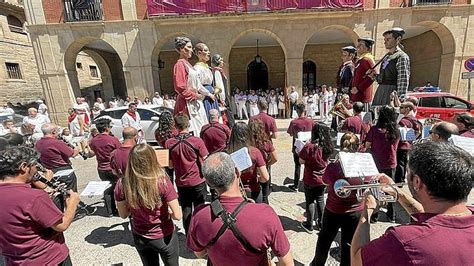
[[132, 43], [19, 80]]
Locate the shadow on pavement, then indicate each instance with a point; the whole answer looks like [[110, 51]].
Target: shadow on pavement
[[290, 224], [107, 238], [184, 252]]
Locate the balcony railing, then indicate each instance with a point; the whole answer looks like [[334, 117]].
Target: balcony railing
[[83, 10], [430, 2]]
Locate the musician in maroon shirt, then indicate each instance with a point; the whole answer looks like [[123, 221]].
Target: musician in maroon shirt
[[297, 125], [268, 121], [119, 157], [215, 135], [355, 123], [442, 229]]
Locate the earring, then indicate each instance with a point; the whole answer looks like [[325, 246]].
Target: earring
[[416, 189]]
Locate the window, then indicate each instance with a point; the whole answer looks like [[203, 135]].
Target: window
[[430, 102], [79, 65], [146, 114], [455, 103], [309, 75], [94, 72], [15, 24], [13, 71]]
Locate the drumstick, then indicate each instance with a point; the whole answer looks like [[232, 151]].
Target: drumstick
[[378, 63]]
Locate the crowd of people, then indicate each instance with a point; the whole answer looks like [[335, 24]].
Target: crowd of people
[[225, 207]]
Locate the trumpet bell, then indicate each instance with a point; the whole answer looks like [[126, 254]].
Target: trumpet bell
[[340, 188]]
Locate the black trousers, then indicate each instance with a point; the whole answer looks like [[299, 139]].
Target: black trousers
[[266, 187], [170, 173], [390, 172], [109, 193], [296, 177], [66, 262], [400, 171], [150, 250], [332, 222], [312, 195], [71, 183], [189, 198]]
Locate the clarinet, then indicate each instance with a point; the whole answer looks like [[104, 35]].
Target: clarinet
[[56, 185]]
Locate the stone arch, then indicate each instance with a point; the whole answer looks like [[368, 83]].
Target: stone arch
[[108, 61], [448, 45], [239, 57], [324, 45], [165, 84]]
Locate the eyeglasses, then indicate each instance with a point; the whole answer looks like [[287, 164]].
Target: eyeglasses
[[433, 132]]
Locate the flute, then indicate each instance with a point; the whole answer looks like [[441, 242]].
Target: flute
[[56, 186]]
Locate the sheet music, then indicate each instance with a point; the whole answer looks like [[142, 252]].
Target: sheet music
[[464, 143], [366, 117], [407, 134], [65, 172], [339, 137], [299, 145], [95, 188], [426, 131], [358, 164], [304, 136], [242, 159]]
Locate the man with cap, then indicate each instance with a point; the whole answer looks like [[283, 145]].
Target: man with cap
[[394, 70], [361, 83], [346, 70]]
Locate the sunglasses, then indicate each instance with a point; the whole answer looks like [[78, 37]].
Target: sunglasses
[[433, 132]]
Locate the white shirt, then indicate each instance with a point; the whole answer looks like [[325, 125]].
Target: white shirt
[[43, 109], [128, 121], [7, 110], [157, 101], [293, 96], [113, 104], [101, 106], [168, 103], [37, 121]]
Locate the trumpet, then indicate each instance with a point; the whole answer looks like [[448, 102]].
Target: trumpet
[[343, 190]]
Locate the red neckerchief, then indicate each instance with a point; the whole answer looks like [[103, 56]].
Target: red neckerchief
[[220, 70], [71, 117], [133, 115]]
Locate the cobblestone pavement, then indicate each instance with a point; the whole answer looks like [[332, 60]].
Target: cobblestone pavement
[[100, 240]]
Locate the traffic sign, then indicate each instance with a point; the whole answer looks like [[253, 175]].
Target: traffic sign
[[469, 64], [467, 75]]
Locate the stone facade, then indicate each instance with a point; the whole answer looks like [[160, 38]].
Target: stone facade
[[15, 47], [138, 43]]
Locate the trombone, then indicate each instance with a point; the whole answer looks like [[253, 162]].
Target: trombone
[[343, 190]]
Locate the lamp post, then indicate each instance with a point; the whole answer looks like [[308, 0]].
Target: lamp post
[[258, 58]]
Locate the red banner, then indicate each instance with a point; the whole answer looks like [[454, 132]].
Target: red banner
[[171, 7]]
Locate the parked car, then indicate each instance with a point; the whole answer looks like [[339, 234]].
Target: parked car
[[440, 105], [149, 115], [427, 89]]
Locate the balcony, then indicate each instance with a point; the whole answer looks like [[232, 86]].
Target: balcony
[[83, 10], [430, 2]]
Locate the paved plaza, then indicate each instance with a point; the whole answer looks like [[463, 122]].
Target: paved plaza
[[100, 240]]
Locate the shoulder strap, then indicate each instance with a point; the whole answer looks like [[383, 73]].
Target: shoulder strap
[[196, 151], [228, 221]]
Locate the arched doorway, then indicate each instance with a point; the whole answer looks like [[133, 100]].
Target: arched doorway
[[257, 75], [95, 70], [309, 74], [244, 70], [324, 49]]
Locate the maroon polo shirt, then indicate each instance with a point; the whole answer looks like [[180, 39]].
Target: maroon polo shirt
[[266, 233], [355, 125], [103, 145], [119, 160], [266, 150], [314, 165], [25, 234], [185, 158], [383, 150], [300, 124], [54, 153], [434, 239], [268, 122], [334, 203], [249, 177], [156, 223], [215, 136]]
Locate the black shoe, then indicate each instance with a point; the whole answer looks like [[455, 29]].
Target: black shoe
[[374, 220], [293, 187], [319, 225], [307, 227]]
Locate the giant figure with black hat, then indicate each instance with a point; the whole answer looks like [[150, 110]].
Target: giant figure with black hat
[[361, 83], [346, 70], [394, 73]]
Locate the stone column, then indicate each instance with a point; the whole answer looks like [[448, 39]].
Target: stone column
[[294, 73], [34, 12], [129, 10]]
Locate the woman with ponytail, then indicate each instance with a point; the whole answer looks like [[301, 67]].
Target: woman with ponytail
[[339, 213], [315, 157]]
